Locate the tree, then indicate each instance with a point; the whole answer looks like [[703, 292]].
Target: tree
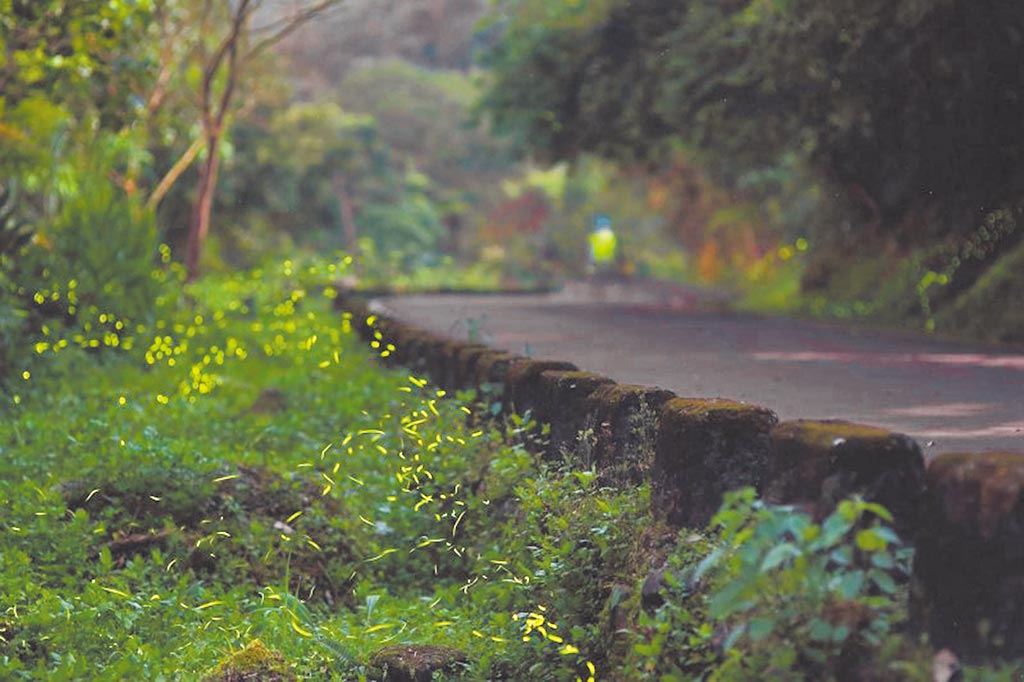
[[68, 71], [910, 111], [306, 168], [224, 41]]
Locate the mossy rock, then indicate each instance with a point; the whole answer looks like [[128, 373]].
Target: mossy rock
[[492, 367], [414, 663], [416, 347], [819, 463], [969, 566], [522, 382], [704, 449], [455, 373], [562, 403], [464, 374], [403, 337], [625, 429], [443, 363], [347, 301], [253, 663], [434, 350], [360, 316]]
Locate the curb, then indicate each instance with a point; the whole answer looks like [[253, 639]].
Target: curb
[[965, 512]]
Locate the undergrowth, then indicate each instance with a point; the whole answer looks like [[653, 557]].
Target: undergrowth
[[238, 483]]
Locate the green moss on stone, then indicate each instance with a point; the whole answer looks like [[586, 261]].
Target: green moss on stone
[[824, 434], [704, 449], [822, 462], [720, 408], [255, 662], [414, 663]]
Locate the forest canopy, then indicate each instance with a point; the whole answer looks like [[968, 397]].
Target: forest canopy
[[910, 109]]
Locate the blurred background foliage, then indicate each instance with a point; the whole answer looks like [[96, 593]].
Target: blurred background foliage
[[886, 135], [859, 160]]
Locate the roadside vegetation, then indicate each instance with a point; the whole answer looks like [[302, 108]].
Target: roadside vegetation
[[858, 160], [204, 474], [235, 484]]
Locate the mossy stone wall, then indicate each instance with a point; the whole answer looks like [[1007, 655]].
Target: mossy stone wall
[[818, 463], [965, 514], [969, 567], [704, 449]]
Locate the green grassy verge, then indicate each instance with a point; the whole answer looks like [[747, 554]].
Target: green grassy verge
[[240, 490]]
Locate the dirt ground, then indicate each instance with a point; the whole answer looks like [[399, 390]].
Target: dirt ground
[[949, 396]]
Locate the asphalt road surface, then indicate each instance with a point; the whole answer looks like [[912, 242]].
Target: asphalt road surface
[[949, 396]]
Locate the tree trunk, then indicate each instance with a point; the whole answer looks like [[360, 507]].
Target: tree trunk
[[199, 223], [348, 222]]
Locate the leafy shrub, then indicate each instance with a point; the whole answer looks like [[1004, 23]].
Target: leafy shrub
[[787, 594], [98, 253], [769, 594], [86, 277]]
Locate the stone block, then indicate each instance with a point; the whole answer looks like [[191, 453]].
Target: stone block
[[492, 367], [414, 663], [438, 358], [704, 449], [522, 382], [417, 351], [969, 567], [819, 463], [625, 429], [464, 364], [403, 338], [562, 403]]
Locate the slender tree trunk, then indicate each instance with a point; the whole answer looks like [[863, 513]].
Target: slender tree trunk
[[348, 221], [215, 109], [199, 222], [179, 167]]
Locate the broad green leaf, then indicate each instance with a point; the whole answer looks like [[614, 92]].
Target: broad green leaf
[[759, 628], [820, 630], [851, 584], [870, 540], [884, 582], [778, 555]]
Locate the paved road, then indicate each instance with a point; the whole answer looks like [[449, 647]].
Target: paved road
[[950, 397]]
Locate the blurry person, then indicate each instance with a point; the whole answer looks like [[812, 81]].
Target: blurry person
[[601, 258], [603, 245]]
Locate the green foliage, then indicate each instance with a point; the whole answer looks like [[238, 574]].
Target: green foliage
[[242, 470], [75, 54], [792, 594], [103, 241], [859, 90], [875, 129], [160, 495], [424, 116], [286, 177], [70, 74], [770, 594]]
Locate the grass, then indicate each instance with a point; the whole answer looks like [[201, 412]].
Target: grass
[[238, 489], [248, 472]]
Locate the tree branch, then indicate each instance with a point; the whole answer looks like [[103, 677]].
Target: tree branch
[[290, 25], [179, 167]]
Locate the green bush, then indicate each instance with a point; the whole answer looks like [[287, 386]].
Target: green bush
[[781, 597], [96, 255], [87, 277]]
